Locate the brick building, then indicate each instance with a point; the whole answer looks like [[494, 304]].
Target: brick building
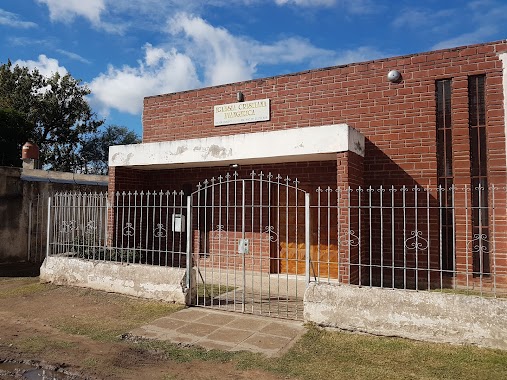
[[431, 140]]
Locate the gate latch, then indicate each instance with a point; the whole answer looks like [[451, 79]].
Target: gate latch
[[243, 246]]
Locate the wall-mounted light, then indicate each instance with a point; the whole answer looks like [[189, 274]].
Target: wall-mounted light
[[394, 76], [233, 166], [240, 97]]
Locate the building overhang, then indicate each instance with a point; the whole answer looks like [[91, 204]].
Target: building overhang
[[288, 145]]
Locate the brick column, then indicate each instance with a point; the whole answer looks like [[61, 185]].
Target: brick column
[[350, 170]]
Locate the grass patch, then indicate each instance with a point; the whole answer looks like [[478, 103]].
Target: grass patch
[[486, 292], [322, 354], [38, 344], [184, 354], [212, 290], [22, 287], [124, 314], [90, 363]]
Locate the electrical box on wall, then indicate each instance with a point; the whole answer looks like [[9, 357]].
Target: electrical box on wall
[[243, 246], [178, 222]]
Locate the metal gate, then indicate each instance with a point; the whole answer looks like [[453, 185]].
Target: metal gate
[[249, 242]]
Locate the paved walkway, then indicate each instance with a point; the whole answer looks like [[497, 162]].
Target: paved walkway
[[227, 331]]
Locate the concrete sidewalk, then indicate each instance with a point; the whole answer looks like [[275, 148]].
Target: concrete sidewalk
[[227, 331]]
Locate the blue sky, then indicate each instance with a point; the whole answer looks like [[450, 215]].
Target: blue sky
[[124, 50]]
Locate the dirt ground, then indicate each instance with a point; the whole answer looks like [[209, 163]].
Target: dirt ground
[[67, 329]]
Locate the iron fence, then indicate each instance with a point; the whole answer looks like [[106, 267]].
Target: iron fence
[[127, 227], [420, 238], [37, 227]]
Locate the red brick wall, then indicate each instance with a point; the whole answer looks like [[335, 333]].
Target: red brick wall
[[398, 119]]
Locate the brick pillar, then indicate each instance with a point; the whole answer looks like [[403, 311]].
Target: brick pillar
[[350, 170]]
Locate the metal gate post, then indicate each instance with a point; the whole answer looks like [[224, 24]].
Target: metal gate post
[[30, 229], [307, 237], [48, 226], [189, 240], [243, 258]]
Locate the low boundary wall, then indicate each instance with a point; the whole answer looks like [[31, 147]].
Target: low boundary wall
[[145, 281], [429, 316]]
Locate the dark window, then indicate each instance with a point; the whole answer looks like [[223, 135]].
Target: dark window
[[444, 170], [478, 174]]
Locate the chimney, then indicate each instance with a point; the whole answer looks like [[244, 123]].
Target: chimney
[[30, 156]]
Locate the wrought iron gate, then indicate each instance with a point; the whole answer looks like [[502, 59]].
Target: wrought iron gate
[[249, 242]]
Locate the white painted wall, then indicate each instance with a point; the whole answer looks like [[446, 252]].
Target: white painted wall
[[430, 316], [290, 145], [145, 281]]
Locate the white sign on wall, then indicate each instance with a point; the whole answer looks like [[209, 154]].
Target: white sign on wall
[[243, 112]]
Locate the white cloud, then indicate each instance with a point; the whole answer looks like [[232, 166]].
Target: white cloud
[[219, 53], [351, 6], [289, 50], [474, 37], [361, 54], [161, 71], [92, 10], [486, 18], [413, 18], [73, 56], [46, 66], [12, 20], [67, 10], [207, 56], [307, 3]]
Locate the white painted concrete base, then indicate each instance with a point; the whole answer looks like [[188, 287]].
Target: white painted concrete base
[[430, 316], [145, 281]]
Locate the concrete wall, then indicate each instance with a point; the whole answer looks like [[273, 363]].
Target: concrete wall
[[13, 217], [146, 281], [18, 188], [429, 316]]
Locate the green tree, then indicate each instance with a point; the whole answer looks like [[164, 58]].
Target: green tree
[[95, 149], [14, 132], [56, 109]]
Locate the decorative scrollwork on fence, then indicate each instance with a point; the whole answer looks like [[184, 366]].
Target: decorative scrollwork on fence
[[128, 230], [273, 236], [91, 227], [218, 231], [349, 239], [67, 227], [416, 241], [479, 244], [160, 231]]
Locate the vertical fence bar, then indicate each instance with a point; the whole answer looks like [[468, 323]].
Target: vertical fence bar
[[440, 224], [307, 238], [30, 205], [319, 223], [189, 242], [370, 240], [466, 238], [48, 240], [381, 194], [428, 235], [252, 216], [404, 189], [360, 233], [243, 259], [393, 242], [493, 218], [338, 234]]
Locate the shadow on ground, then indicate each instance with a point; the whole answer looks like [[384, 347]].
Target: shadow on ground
[[23, 269]]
